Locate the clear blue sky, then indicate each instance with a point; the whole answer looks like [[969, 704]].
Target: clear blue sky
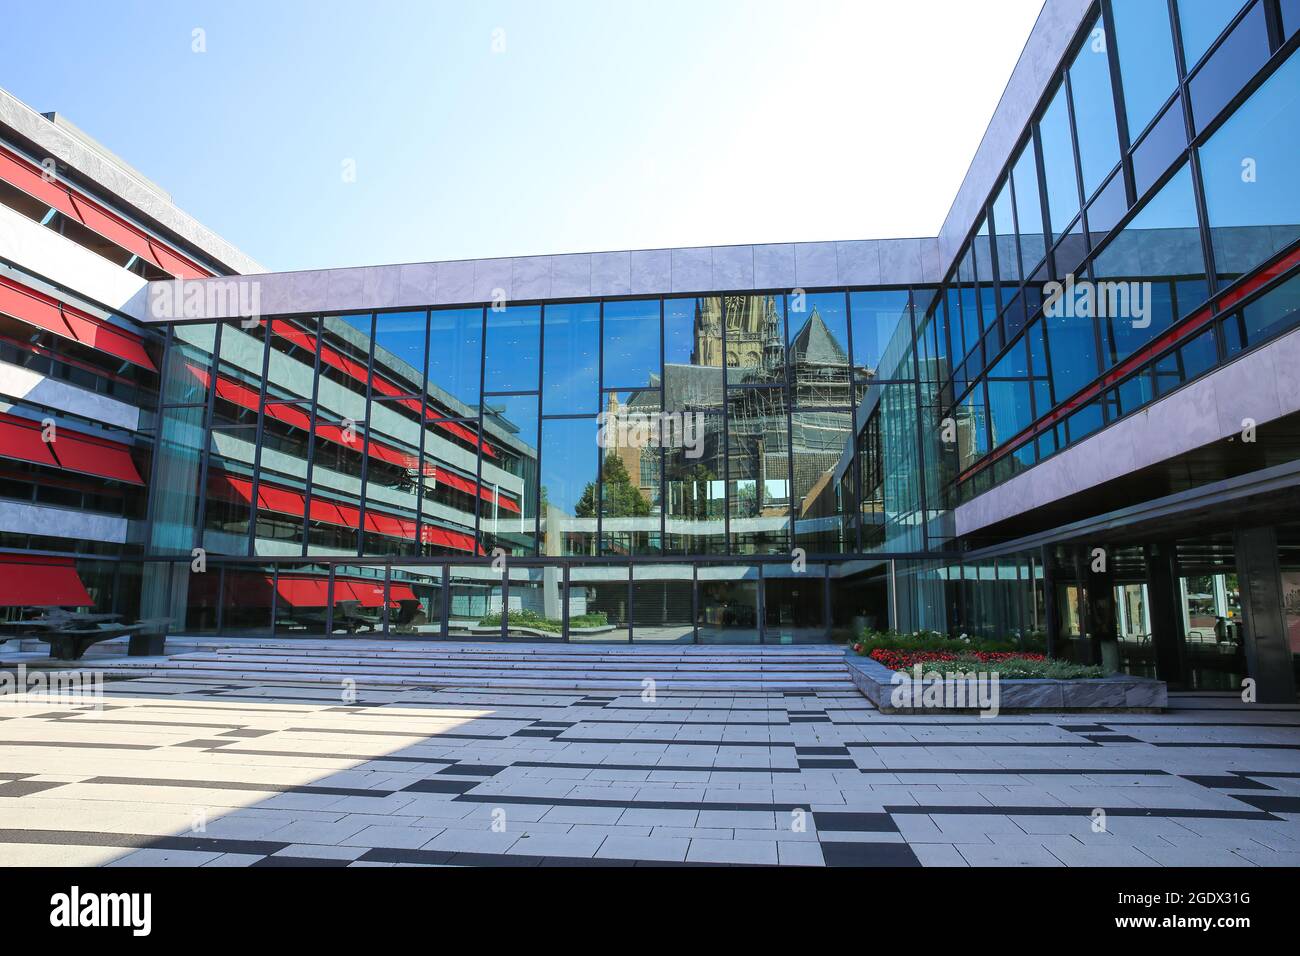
[[600, 125]]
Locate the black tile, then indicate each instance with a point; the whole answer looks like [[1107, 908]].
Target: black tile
[[473, 770], [1230, 782], [1113, 739], [494, 859], [25, 788], [869, 854], [862, 822], [441, 786], [204, 744], [1272, 804], [827, 763], [822, 751], [386, 854], [246, 732], [299, 861]]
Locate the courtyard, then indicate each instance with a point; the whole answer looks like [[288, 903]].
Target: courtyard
[[267, 758]]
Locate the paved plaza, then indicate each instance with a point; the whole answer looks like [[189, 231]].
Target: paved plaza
[[198, 770]]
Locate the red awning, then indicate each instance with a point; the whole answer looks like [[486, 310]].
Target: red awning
[[286, 501], [31, 581], [34, 182], [368, 593], [91, 457], [45, 312], [20, 440], [303, 592], [400, 592], [70, 450]]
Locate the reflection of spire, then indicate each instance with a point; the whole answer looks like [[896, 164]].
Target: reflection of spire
[[816, 344], [773, 343]]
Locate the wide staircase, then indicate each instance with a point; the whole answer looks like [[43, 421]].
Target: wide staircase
[[542, 666]]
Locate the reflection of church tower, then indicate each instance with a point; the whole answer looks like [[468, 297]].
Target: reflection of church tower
[[753, 331]]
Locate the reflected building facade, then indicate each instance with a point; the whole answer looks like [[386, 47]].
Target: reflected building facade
[[770, 443]]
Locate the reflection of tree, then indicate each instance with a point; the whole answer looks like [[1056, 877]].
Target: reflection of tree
[[622, 498], [694, 483]]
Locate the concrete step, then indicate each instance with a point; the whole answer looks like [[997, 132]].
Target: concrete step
[[557, 667]]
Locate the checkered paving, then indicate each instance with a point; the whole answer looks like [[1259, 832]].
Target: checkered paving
[[191, 770]]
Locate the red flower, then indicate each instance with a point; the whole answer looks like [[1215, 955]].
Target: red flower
[[904, 660]]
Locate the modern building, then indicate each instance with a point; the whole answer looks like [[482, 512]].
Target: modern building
[[1071, 417]]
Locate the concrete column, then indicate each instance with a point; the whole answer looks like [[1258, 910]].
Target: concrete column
[[1051, 610], [1099, 613], [1268, 652], [1165, 593]]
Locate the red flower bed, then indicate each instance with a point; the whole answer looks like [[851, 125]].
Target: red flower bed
[[905, 660]]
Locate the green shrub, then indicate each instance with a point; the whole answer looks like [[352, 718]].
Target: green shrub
[[1014, 668]]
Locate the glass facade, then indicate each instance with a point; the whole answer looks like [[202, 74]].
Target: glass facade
[[363, 451], [759, 466], [1176, 157]]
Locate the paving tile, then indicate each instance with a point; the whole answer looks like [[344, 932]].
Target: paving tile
[[993, 855], [732, 851], [644, 848]]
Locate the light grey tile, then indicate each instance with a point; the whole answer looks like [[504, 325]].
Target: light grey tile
[[733, 267], [611, 273], [417, 283], [815, 265], [774, 266], [455, 282], [858, 262], [692, 269], [493, 280], [571, 275], [531, 277], [651, 271]]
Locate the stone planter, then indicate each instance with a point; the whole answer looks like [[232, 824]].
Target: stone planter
[[1115, 694]]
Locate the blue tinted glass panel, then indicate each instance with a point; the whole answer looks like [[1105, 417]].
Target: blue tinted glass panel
[[400, 347], [1058, 164], [1107, 209], [1084, 422], [1135, 392], [1290, 16], [1147, 70], [1233, 63], [1199, 355], [972, 428], [1010, 408], [1004, 239], [1273, 313], [1094, 111], [631, 344], [1160, 147], [1135, 289], [455, 360], [1201, 22], [1248, 167], [1072, 342], [512, 350], [571, 349], [881, 330], [1029, 213]]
